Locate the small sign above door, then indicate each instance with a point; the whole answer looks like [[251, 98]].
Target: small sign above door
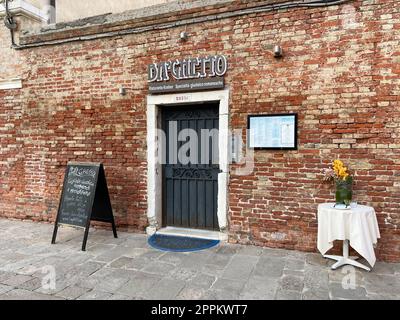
[[192, 74], [186, 86]]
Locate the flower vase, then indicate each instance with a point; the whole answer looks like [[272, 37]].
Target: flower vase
[[344, 191]]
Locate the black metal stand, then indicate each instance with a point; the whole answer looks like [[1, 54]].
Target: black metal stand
[[85, 237], [114, 228], [53, 240]]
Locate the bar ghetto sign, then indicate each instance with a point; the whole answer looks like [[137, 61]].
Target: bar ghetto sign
[[193, 74]]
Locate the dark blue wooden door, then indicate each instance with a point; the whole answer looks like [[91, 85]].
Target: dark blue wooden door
[[191, 166]]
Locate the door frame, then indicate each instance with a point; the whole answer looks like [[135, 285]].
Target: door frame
[[154, 167], [187, 106]]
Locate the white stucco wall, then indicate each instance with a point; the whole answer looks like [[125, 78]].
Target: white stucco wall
[[29, 16], [39, 3], [69, 10]]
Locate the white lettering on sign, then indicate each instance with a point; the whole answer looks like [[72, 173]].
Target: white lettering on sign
[[192, 68]]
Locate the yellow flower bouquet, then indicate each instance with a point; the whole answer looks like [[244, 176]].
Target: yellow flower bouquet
[[343, 181]]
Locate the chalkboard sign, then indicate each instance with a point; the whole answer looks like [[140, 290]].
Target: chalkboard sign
[[84, 198], [80, 188]]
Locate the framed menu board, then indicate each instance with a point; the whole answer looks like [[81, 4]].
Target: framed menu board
[[274, 131]]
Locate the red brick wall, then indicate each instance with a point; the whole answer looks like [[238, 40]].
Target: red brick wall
[[340, 73]]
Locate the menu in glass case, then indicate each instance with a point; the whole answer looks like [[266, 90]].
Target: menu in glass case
[[276, 131]]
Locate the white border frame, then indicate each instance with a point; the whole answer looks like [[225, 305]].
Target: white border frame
[[21, 7], [10, 84], [154, 168]]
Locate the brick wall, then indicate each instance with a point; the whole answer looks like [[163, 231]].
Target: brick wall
[[340, 73]]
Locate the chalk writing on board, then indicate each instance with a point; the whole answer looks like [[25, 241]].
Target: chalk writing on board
[[78, 195], [81, 172], [84, 198]]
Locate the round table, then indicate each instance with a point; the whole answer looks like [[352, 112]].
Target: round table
[[356, 226]]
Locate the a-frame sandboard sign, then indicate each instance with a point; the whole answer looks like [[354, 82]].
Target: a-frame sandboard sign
[[84, 198]]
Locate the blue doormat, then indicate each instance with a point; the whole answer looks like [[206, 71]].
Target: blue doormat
[[180, 243]]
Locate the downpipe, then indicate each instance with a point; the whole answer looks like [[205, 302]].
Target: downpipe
[[10, 23]]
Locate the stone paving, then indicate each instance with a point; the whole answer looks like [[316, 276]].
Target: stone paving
[[127, 268]]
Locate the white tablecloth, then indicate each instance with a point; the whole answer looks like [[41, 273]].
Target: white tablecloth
[[358, 225]]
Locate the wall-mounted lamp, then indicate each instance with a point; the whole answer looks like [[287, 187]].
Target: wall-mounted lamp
[[183, 36], [122, 91], [278, 52]]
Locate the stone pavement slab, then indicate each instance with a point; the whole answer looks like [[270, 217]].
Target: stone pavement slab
[[260, 288], [139, 285], [165, 289], [240, 267], [269, 266], [96, 295], [128, 268], [191, 292], [21, 294], [4, 288], [16, 280], [72, 292]]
